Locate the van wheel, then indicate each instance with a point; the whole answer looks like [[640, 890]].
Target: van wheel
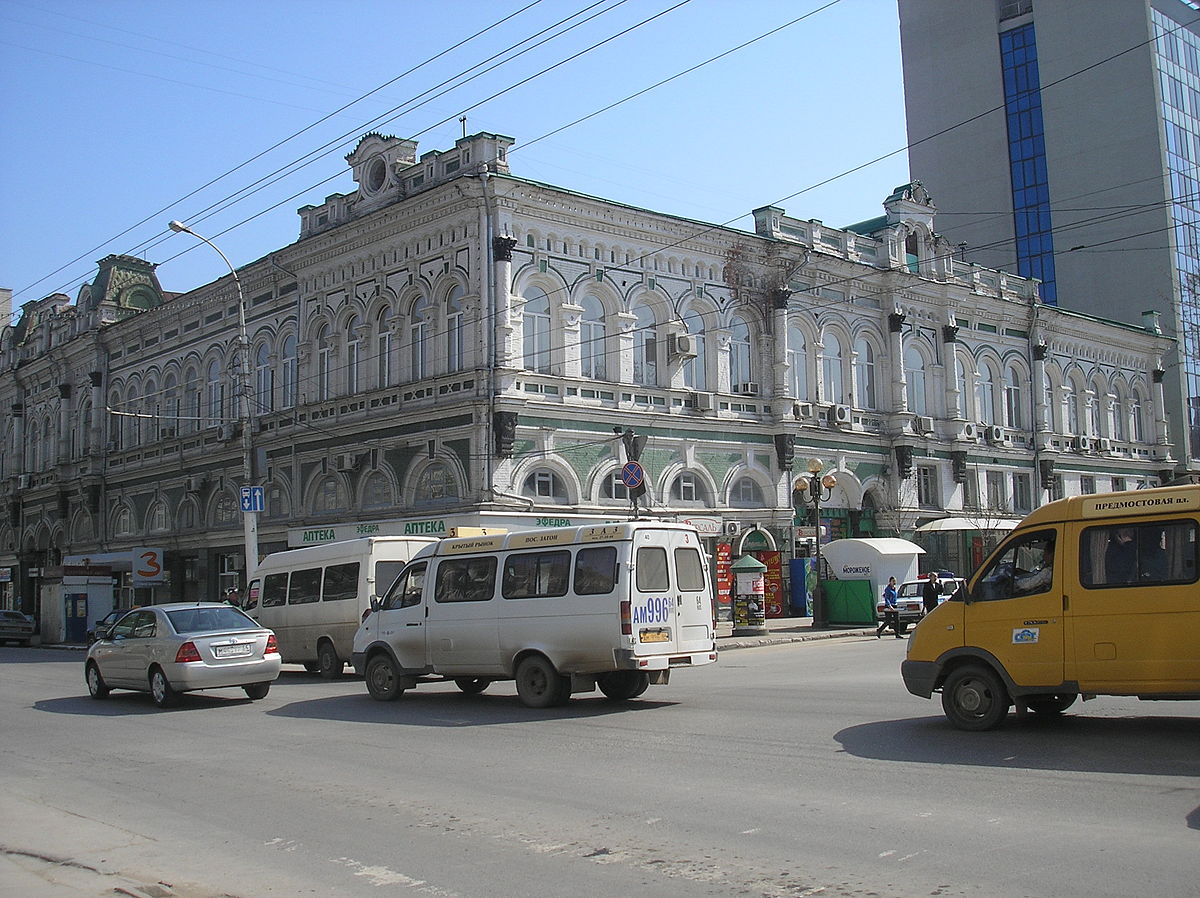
[[1050, 704], [383, 680], [472, 685], [160, 689], [539, 685], [622, 685], [312, 666], [974, 699], [97, 688], [329, 665]]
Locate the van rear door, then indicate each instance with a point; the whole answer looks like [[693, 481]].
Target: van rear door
[[670, 597]]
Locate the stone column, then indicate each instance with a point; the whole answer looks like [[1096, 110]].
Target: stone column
[[64, 423], [896, 352]]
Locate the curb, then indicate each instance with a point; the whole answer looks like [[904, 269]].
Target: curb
[[749, 642]]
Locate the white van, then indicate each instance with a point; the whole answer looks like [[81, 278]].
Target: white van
[[314, 598], [560, 611]]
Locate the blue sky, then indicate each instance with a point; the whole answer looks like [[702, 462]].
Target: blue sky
[[115, 115]]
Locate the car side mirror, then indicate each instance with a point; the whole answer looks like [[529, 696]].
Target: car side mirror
[[376, 604]]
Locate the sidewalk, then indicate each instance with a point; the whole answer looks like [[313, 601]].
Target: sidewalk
[[784, 630]]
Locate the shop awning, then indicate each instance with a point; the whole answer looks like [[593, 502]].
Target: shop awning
[[942, 525]]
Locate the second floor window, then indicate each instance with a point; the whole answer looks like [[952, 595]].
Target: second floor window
[[535, 316]]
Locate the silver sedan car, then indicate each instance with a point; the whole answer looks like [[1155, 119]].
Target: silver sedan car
[[169, 649]]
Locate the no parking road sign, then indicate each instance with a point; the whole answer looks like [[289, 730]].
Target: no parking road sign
[[633, 475]]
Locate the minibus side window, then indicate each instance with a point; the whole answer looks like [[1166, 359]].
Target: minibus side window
[[689, 570], [274, 591], [407, 589], [1152, 553], [305, 586], [532, 575], [341, 582], [1025, 568], [652, 569], [596, 571], [465, 580]]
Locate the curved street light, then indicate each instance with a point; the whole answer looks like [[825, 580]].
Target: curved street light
[[245, 417], [810, 490]]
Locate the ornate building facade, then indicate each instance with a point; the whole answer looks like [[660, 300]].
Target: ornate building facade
[[450, 344]]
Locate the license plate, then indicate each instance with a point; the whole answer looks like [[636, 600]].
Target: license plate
[[658, 635], [232, 651]]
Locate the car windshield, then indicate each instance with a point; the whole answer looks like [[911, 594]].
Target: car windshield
[[910, 589], [209, 620]]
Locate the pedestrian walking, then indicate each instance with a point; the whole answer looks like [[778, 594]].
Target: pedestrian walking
[[930, 592], [891, 614]]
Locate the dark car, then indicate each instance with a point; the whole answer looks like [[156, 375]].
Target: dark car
[[102, 625], [16, 627]]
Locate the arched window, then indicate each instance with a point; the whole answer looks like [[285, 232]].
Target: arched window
[[545, 485], [797, 359], [614, 487], [170, 406], [227, 511], [1136, 419], [264, 380], [353, 354], [986, 395], [84, 424], [383, 348], [191, 399], [436, 484], [914, 375], [47, 445], [377, 491], [215, 392], [864, 374], [454, 329], [688, 489], [1121, 418], [831, 369], [158, 520], [960, 379], [123, 522], [1094, 399], [288, 372], [695, 370], [1014, 391], [741, 367], [745, 493], [152, 406], [592, 358], [133, 423], [329, 496], [535, 317], [324, 365], [645, 347], [418, 334], [1075, 422]]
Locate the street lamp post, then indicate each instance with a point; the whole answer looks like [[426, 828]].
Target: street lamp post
[[808, 491], [245, 417]]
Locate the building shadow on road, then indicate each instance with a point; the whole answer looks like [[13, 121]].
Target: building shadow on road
[[445, 709], [1159, 746]]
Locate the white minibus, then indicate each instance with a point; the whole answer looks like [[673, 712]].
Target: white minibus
[[314, 598], [560, 611]]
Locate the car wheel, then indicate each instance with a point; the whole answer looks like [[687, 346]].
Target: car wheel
[[974, 699], [383, 680], [539, 685], [472, 685], [97, 688], [622, 685], [329, 665], [160, 689], [255, 691], [312, 666], [1050, 704]]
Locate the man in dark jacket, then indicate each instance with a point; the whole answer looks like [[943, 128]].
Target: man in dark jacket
[[930, 592]]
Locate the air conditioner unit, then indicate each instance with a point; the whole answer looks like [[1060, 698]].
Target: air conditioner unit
[[195, 483], [840, 414], [166, 433], [924, 424], [802, 410], [1083, 444], [1104, 444], [969, 431], [731, 528], [24, 481], [703, 402], [345, 461], [681, 346], [994, 433], [746, 389], [226, 432]]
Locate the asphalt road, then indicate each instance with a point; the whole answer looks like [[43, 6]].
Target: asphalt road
[[782, 771]]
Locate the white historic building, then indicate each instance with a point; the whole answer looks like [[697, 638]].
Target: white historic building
[[450, 344]]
